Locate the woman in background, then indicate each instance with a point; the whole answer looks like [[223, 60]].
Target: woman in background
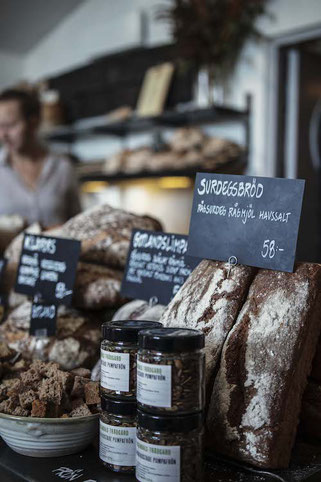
[[37, 185]]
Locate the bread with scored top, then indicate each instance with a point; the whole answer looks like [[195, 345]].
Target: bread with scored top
[[266, 359], [210, 301]]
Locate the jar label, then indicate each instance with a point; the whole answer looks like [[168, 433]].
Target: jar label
[[117, 445], [154, 384], [157, 463], [115, 370]]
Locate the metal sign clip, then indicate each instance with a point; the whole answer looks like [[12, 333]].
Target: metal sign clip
[[152, 301], [232, 261]]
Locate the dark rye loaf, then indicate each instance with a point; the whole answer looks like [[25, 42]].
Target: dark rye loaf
[[76, 343], [265, 362], [97, 287], [105, 233], [139, 310], [210, 301]]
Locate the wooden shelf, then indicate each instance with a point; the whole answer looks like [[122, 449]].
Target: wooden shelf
[[170, 119], [231, 167]]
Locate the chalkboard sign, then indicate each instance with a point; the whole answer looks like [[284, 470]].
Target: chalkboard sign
[[47, 268], [254, 220], [157, 266], [43, 319]]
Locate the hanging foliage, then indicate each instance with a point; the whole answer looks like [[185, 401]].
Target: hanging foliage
[[212, 33]]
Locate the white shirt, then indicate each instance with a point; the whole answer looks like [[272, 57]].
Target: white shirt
[[55, 199]]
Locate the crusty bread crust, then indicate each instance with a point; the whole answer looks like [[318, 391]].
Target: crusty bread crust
[[265, 363], [97, 287], [139, 310], [105, 233], [210, 301]]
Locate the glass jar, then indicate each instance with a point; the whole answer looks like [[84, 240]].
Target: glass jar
[[171, 371], [170, 447], [117, 435], [118, 357]]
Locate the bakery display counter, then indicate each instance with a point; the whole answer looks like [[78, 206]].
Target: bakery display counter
[[86, 467], [213, 291]]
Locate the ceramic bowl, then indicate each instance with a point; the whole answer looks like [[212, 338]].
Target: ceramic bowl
[[48, 437]]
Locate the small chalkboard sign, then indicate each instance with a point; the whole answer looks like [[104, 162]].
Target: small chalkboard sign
[[157, 266], [251, 220], [43, 319], [47, 268]]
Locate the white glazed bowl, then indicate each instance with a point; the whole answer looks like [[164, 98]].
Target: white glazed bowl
[[48, 437]]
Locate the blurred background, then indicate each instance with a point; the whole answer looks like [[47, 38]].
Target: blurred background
[[142, 94]]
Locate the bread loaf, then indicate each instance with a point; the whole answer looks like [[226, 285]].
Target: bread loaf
[[13, 250], [137, 160], [97, 287], [265, 362], [12, 255], [76, 343], [114, 164], [163, 161], [187, 138], [105, 233], [210, 300], [139, 310]]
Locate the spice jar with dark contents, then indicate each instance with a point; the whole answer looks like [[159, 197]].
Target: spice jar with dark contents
[[171, 370], [117, 439], [169, 448], [118, 357]]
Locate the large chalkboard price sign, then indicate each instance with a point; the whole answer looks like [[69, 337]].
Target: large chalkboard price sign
[[157, 266], [47, 268], [251, 220]]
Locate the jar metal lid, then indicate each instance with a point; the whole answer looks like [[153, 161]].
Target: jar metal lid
[[171, 340], [126, 330], [119, 407], [177, 423]]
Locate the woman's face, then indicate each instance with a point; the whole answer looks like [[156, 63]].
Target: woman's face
[[15, 131]]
